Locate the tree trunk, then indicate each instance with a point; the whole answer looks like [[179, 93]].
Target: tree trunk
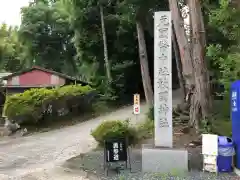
[[235, 3], [178, 62], [202, 84], [144, 64], [201, 26], [107, 65], [190, 26], [183, 44], [192, 57]]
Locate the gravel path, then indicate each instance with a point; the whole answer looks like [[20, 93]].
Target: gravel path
[[37, 156], [21, 156], [92, 162]]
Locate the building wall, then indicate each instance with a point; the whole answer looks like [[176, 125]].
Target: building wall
[[36, 78]]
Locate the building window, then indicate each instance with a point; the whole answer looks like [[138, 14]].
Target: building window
[[54, 79], [15, 80]]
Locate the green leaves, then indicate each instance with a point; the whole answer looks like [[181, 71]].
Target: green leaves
[[114, 129], [34, 100], [224, 54], [45, 31], [66, 36], [11, 49]]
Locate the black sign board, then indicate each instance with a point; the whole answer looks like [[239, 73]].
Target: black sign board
[[116, 150]]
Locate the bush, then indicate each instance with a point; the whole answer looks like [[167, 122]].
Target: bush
[[114, 129], [145, 129], [32, 104], [150, 113]]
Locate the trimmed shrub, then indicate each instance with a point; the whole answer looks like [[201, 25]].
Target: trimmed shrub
[[32, 105], [114, 129]]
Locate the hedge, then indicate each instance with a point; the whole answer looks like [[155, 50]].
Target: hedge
[[33, 105]]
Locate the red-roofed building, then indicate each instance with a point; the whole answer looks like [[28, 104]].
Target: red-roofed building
[[37, 77]]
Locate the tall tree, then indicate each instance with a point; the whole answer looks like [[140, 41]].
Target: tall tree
[[142, 13], [178, 62], [223, 45], [235, 3], [193, 59], [12, 51], [46, 32], [144, 64], [183, 44], [105, 46], [202, 96], [85, 19]]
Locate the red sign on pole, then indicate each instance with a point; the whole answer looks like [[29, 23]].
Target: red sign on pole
[[136, 104], [136, 109]]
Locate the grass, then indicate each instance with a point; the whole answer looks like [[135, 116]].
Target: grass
[[221, 124], [222, 127]]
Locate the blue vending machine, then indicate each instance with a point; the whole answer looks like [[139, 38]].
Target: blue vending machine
[[235, 117]]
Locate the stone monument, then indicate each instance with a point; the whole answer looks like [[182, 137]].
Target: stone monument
[[162, 157]]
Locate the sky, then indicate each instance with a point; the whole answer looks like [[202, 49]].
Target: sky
[[10, 11]]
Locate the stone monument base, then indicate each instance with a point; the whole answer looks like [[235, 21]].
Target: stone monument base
[[164, 160], [237, 171]]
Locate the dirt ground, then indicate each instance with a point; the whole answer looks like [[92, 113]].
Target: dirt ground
[[92, 162], [184, 137]]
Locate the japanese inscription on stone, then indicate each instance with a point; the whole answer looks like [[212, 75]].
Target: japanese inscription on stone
[[163, 78]]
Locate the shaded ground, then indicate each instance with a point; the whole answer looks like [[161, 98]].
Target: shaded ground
[[92, 162]]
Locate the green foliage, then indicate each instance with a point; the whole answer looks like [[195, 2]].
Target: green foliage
[[120, 25], [121, 129], [205, 126], [73, 90], [150, 113], [114, 129], [25, 103], [222, 127], [11, 49], [33, 102], [66, 36], [220, 122], [145, 129], [101, 106], [46, 33], [223, 50], [225, 56]]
